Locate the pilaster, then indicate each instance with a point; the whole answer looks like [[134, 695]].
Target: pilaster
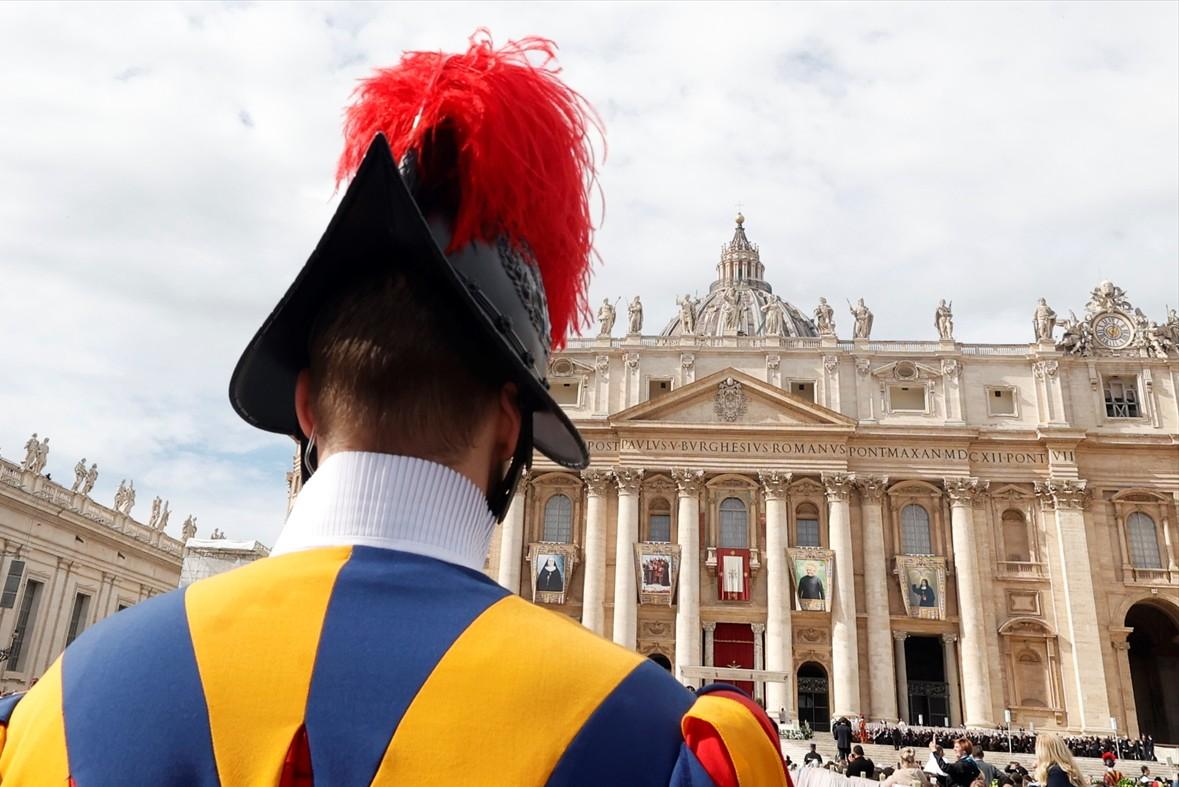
[[1076, 606]]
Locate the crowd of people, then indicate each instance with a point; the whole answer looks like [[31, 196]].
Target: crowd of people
[[929, 765], [1020, 740]]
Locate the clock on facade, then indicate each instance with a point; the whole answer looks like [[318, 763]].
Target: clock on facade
[[1112, 330]]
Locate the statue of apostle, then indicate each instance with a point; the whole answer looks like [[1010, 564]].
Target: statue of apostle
[[825, 318], [635, 314], [687, 306], [863, 320], [79, 474], [943, 320], [605, 318], [1043, 321]]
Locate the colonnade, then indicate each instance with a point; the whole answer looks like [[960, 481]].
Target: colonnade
[[887, 696]]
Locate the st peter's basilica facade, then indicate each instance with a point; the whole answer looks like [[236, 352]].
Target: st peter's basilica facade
[[922, 530]]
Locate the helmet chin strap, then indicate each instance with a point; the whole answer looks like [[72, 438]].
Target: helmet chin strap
[[500, 493]]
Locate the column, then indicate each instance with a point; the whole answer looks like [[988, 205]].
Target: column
[[950, 654], [593, 594], [1072, 575], [882, 688], [709, 643], [976, 675], [626, 592], [902, 673], [511, 539], [759, 660], [687, 614], [778, 654], [845, 651]]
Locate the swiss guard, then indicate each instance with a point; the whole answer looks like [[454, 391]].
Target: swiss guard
[[409, 358]]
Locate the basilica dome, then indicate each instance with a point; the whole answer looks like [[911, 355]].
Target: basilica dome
[[740, 302]]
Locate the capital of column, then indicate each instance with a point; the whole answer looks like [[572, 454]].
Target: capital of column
[[775, 483], [949, 638], [758, 628], [597, 481], [871, 487], [688, 481], [629, 479], [900, 636], [1063, 493], [1120, 644], [838, 485], [709, 626], [963, 491]]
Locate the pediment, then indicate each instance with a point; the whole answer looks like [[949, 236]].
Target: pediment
[[733, 398]]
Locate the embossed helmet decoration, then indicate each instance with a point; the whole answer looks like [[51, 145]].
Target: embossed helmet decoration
[[471, 171]]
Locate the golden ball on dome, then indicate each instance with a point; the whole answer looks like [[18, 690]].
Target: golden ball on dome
[[740, 219]]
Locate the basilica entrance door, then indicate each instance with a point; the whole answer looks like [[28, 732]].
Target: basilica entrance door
[[812, 696], [733, 647], [929, 699], [1154, 671]]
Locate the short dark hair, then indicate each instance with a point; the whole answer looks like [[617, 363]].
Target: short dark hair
[[389, 362], [858, 749], [978, 750]]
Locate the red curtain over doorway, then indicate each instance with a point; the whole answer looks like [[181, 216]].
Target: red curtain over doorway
[[733, 647]]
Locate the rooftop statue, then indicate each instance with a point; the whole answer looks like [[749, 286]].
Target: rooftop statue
[[1043, 321], [605, 318], [863, 317]]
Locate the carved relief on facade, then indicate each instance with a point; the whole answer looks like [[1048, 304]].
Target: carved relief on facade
[[730, 403]]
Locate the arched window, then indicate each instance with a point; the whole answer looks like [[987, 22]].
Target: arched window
[[915, 536], [558, 520], [659, 521], [1015, 536], [1144, 542], [734, 524], [806, 526]]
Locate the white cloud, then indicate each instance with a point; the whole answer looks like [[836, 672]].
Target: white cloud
[[167, 169]]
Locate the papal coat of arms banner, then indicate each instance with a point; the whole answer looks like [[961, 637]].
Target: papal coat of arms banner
[[658, 568], [923, 585], [814, 570]]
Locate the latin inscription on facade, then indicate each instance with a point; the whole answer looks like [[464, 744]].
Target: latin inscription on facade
[[802, 448]]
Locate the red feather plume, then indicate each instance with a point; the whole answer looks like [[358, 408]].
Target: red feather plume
[[525, 161]]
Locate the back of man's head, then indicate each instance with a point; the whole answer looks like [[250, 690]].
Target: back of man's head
[[390, 373], [978, 752], [858, 750]]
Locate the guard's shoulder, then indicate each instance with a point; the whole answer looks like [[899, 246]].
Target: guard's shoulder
[[731, 738]]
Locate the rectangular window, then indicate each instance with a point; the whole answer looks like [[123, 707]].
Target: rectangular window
[[78, 617], [659, 528], [25, 619], [1000, 401], [906, 398], [657, 388], [566, 393], [1121, 396], [808, 533], [16, 571], [803, 390]]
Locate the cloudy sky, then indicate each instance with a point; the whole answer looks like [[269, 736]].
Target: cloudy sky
[[166, 169]]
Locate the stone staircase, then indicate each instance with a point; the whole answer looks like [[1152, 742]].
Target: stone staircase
[[884, 756]]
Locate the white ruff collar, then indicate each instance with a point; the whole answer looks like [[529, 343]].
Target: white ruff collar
[[390, 502]]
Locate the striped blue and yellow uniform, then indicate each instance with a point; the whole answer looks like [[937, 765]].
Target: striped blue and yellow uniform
[[382, 668]]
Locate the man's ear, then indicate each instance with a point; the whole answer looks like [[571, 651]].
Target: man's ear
[[507, 422], [303, 410]]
